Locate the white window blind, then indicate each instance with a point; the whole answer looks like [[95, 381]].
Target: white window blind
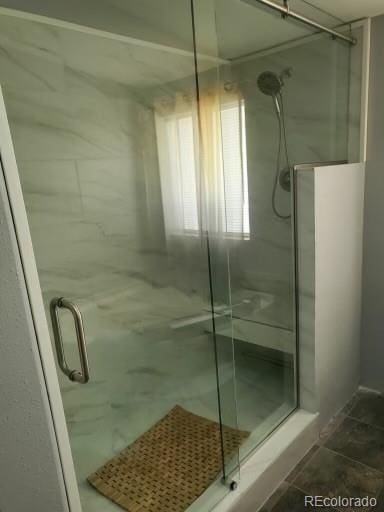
[[182, 161], [182, 172], [235, 169]]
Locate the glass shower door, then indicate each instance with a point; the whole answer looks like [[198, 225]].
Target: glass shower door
[[223, 216], [106, 133], [251, 243]]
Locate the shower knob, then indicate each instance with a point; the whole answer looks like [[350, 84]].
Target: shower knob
[[285, 179]]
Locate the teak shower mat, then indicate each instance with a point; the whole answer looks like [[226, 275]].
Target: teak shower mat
[[169, 466]]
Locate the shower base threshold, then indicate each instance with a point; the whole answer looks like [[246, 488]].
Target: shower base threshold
[[266, 468]]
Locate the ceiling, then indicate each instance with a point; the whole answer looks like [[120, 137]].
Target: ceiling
[[351, 9], [225, 28]]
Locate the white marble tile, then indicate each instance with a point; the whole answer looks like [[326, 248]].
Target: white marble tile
[[30, 56], [50, 188], [306, 283], [316, 126]]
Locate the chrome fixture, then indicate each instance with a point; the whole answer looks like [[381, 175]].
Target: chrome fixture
[[285, 179], [74, 375], [287, 12], [271, 84]]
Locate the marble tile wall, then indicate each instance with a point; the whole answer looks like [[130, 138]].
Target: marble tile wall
[[316, 112], [86, 149], [305, 208]]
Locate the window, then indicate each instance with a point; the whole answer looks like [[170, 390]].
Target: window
[[235, 169], [179, 178], [182, 161]]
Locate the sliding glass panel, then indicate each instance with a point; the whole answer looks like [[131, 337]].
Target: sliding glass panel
[[289, 89], [226, 217], [106, 134]]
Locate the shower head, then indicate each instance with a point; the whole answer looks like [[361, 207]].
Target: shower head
[[269, 83]]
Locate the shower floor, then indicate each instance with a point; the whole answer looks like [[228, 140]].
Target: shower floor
[[112, 414], [142, 367]]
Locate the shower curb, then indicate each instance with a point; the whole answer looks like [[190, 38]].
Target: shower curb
[[263, 472]]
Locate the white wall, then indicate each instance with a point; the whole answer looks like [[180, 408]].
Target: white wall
[[372, 336], [339, 206], [330, 204], [30, 474]]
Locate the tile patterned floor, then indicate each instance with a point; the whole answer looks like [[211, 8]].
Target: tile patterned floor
[[347, 461]]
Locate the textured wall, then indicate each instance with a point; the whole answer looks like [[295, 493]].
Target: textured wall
[[372, 341], [29, 467]]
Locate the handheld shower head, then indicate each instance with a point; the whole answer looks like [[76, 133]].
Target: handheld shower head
[[270, 84]]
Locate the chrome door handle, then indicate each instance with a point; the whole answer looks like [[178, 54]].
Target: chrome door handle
[[74, 375]]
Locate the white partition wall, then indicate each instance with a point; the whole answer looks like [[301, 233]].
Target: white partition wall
[[339, 204], [330, 232]]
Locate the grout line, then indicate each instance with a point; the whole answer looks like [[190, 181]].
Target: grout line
[[358, 420], [271, 496], [376, 495], [336, 423], [354, 460], [306, 494], [365, 422], [322, 444], [349, 415], [304, 466], [332, 508]]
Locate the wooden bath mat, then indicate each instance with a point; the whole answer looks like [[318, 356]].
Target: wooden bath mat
[[169, 466]]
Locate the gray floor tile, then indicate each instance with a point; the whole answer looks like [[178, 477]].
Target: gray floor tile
[[299, 467], [359, 441], [271, 502], [380, 503], [369, 409], [330, 428], [351, 404], [331, 474], [293, 500]]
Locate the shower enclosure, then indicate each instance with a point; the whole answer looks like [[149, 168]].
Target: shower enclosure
[[147, 163]]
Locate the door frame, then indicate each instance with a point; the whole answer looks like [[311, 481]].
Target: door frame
[[35, 297]]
